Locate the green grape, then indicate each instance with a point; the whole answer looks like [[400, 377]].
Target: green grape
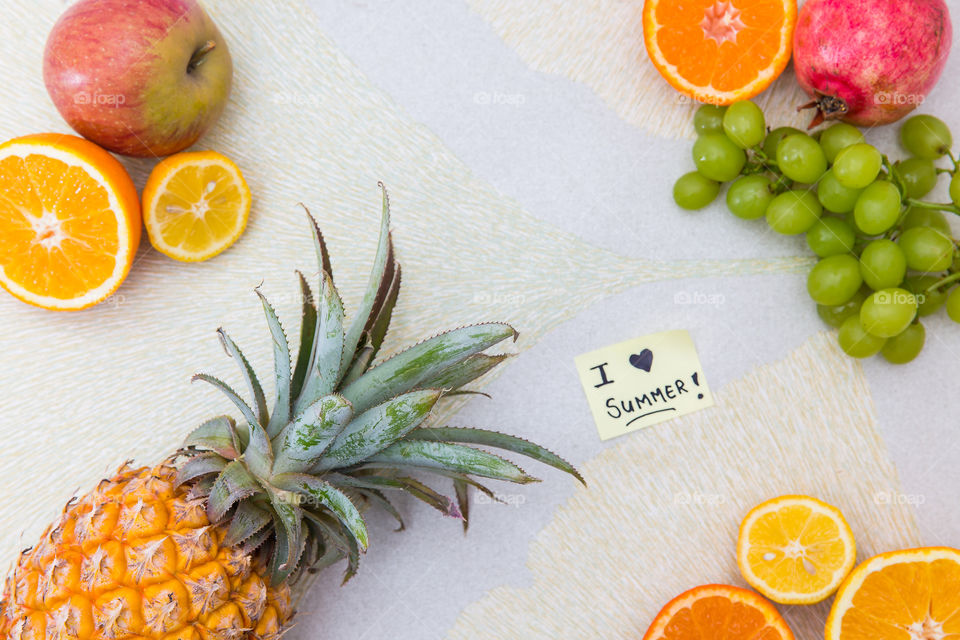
[[918, 175], [749, 197], [928, 301], [694, 191], [772, 141], [953, 304], [837, 138], [955, 188], [743, 123], [888, 312], [906, 346], [793, 212], [717, 157], [836, 315], [835, 280], [709, 119], [882, 264], [926, 137], [801, 158], [877, 208], [857, 166], [927, 249], [830, 237], [834, 196], [919, 217], [856, 342]]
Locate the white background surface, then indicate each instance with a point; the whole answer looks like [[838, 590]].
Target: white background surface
[[567, 159], [556, 149]]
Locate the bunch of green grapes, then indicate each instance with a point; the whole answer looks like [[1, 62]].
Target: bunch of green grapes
[[886, 257]]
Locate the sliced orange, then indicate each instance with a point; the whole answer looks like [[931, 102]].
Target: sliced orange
[[719, 51], [69, 221], [718, 612], [195, 205], [901, 595], [795, 549]]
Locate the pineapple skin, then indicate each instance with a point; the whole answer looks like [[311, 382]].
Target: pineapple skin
[[138, 558]]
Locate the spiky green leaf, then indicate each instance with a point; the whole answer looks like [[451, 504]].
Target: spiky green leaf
[[259, 453], [248, 520], [426, 454], [249, 375], [303, 441], [465, 371], [409, 369], [287, 510], [217, 434], [233, 396], [254, 542], [462, 490], [361, 362], [377, 428], [232, 485], [281, 368], [199, 466], [352, 338], [487, 438], [414, 487], [289, 543], [379, 324], [308, 327], [377, 498], [323, 256], [320, 493], [324, 372]]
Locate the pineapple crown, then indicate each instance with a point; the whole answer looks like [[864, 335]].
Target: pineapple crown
[[291, 483]]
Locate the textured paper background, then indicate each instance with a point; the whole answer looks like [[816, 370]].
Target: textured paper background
[[662, 508], [600, 43], [532, 209]]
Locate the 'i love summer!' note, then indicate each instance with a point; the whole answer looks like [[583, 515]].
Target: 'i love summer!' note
[[641, 382]]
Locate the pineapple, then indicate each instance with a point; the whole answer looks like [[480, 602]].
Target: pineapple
[[205, 545]]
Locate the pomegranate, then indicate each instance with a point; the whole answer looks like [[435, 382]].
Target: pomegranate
[[870, 62]]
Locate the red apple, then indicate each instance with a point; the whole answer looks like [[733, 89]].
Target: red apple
[[138, 77]]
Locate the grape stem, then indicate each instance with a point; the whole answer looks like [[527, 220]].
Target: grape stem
[[953, 277], [936, 206], [953, 159]]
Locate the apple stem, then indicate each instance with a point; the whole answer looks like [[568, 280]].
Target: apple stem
[[199, 55]]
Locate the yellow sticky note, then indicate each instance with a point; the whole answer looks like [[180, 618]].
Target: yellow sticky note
[[642, 382]]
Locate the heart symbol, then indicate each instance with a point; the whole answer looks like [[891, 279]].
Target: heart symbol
[[643, 360]]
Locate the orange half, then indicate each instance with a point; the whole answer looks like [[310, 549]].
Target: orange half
[[69, 221], [901, 595], [719, 51], [718, 612]]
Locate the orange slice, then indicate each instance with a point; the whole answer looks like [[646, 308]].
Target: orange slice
[[901, 595], [718, 611], [795, 549], [195, 205], [719, 51], [69, 221]]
